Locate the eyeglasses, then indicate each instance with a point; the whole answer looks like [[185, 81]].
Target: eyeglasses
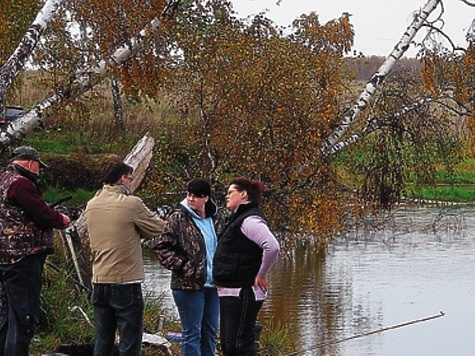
[[193, 195]]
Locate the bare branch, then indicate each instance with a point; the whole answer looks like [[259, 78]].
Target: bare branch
[[429, 37], [373, 124]]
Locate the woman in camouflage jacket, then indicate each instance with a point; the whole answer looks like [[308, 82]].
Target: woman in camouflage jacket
[[187, 247]]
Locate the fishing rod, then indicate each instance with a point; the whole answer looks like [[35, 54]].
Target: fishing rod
[[333, 342], [60, 201]]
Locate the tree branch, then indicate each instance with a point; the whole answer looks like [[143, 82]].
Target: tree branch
[[376, 80], [374, 124]]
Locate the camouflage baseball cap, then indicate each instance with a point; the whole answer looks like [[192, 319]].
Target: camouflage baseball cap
[[27, 153]]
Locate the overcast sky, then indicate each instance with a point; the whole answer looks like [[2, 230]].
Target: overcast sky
[[378, 24]]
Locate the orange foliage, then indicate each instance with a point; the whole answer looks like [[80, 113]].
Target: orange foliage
[[248, 98], [15, 17], [464, 83], [257, 103], [447, 71]]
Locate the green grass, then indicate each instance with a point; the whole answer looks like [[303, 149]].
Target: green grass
[[274, 339], [58, 324], [456, 186], [61, 323], [57, 142], [453, 193], [79, 196]]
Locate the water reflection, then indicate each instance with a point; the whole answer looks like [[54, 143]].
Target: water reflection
[[421, 261]]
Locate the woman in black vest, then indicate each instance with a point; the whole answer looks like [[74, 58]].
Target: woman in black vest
[[246, 251]]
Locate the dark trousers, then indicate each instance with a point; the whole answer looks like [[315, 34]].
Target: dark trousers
[[19, 316], [118, 306], [237, 323]]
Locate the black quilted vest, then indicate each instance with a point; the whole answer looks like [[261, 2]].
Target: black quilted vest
[[237, 259]]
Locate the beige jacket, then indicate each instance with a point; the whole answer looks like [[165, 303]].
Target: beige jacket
[[116, 222]]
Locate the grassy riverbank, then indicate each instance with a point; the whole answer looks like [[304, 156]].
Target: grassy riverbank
[[61, 325], [82, 161], [457, 186], [66, 314]]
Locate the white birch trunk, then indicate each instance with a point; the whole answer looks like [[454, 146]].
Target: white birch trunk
[[17, 60], [21, 126], [374, 124], [471, 33], [117, 103], [376, 80], [139, 158]]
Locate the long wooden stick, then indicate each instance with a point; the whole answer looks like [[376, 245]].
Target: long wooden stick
[[333, 342]]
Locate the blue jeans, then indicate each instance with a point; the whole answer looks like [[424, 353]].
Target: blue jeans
[[19, 317], [238, 323], [199, 314], [118, 306]]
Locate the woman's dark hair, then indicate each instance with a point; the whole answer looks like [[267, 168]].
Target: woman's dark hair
[[253, 188], [114, 170], [199, 187]]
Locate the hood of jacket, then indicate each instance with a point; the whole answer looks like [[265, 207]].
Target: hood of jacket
[[211, 209]]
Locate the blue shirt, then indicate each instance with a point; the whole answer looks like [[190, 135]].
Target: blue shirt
[[206, 226]]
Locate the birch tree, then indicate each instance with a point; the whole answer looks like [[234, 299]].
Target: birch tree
[[269, 123], [10, 69], [335, 142], [85, 79], [257, 102]]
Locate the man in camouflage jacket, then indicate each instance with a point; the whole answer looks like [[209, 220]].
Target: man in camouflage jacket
[[26, 237]]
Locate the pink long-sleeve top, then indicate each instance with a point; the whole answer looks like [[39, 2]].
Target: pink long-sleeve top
[[256, 229]]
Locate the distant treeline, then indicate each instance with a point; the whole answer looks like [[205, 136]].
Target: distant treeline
[[363, 68]]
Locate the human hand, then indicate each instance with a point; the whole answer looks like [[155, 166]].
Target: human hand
[[261, 282], [66, 220]]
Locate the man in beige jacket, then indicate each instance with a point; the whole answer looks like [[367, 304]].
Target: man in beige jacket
[[116, 221]]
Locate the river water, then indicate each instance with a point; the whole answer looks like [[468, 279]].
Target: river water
[[418, 264]]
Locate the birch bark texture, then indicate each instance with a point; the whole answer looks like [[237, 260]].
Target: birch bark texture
[[17, 60]]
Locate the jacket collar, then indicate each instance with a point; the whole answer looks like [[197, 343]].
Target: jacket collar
[[117, 188], [24, 172]]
